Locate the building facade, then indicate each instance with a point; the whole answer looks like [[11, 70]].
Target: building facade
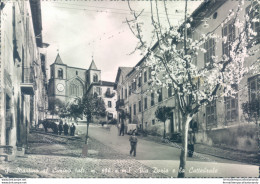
[[22, 91], [66, 83], [105, 90], [221, 122]]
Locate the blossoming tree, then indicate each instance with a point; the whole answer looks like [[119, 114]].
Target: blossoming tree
[[92, 106]]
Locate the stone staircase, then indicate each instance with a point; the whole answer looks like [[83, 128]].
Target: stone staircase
[[8, 153]]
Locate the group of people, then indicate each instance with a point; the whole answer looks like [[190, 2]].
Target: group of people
[[58, 129], [68, 130]]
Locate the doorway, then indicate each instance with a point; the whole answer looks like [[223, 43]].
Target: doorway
[[8, 119], [172, 123]]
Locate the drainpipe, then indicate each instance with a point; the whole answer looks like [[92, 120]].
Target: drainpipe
[[142, 107]]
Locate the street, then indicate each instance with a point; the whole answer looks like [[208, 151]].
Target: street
[[165, 158], [179, 74], [53, 156]]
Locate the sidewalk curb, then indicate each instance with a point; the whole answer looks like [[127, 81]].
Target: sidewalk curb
[[170, 144], [55, 135]]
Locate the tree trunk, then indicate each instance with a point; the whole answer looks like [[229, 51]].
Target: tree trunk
[[86, 141], [257, 135], [164, 131], [184, 150]]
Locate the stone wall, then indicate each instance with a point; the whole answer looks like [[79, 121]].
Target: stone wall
[[242, 137]]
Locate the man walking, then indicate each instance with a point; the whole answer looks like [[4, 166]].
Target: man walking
[[122, 129], [133, 142]]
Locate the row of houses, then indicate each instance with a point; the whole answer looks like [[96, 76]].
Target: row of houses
[[221, 122], [23, 80]]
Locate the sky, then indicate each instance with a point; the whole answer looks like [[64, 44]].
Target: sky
[[80, 30]]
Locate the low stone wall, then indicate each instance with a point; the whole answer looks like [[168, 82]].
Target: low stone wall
[[156, 130], [241, 137]]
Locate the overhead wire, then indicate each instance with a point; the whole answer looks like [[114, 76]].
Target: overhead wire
[[113, 8], [84, 9]]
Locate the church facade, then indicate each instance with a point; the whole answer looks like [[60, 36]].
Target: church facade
[[67, 82]]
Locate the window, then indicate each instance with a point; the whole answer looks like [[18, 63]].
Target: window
[[134, 85], [109, 104], [253, 13], [209, 46], [150, 73], [152, 99], [125, 93], [60, 73], [129, 90], [211, 114], [228, 31], [140, 81], [134, 109], [145, 76], [160, 97], [95, 78], [122, 93], [108, 90], [254, 88], [169, 90], [52, 74], [109, 116], [75, 90], [231, 107], [145, 103], [98, 90], [153, 122], [76, 72], [140, 106]]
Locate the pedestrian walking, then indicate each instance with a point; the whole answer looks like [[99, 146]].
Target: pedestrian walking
[[72, 129], [191, 142], [60, 127], [122, 129], [133, 143], [66, 129]]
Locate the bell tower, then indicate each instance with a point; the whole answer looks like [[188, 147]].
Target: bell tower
[[93, 74], [57, 83]]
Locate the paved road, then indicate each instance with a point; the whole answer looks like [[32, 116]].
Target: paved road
[[165, 159]]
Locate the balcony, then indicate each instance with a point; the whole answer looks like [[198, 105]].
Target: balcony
[[28, 86], [108, 94], [120, 104]]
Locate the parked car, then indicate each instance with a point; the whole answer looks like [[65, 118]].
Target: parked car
[[131, 128]]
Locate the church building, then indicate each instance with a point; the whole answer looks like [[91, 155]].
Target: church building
[[67, 82]]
